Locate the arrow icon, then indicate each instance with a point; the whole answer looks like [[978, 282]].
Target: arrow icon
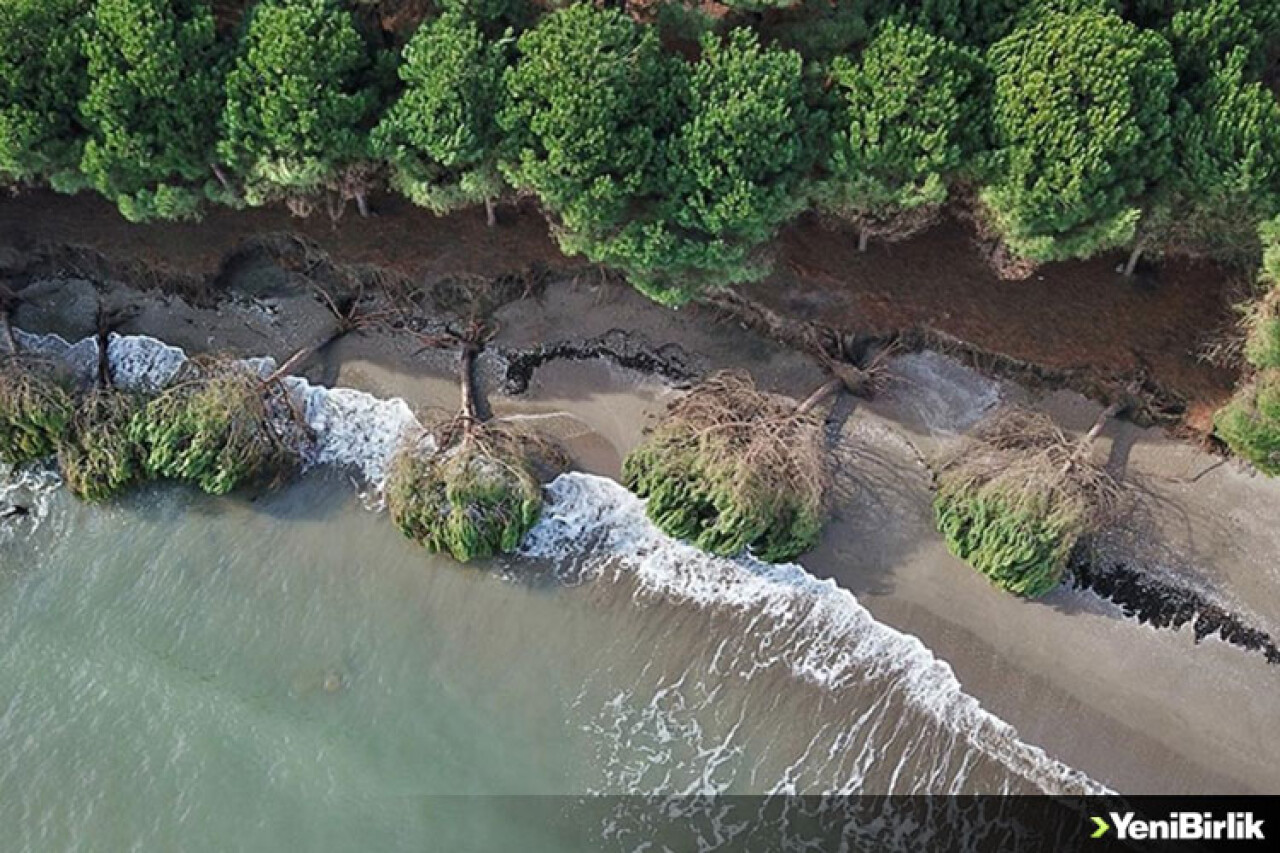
[[1103, 826]]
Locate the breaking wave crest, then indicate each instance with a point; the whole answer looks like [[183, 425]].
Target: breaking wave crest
[[593, 529]]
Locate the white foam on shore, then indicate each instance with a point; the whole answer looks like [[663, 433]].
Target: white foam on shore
[[591, 524], [30, 487]]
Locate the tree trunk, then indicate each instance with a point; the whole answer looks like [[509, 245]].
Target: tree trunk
[[1091, 436], [292, 362], [1134, 255], [362, 204], [490, 217], [818, 396], [104, 355], [7, 325], [222, 179], [466, 370], [335, 206], [862, 239]]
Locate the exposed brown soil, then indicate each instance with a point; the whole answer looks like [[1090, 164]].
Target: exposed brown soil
[[1075, 317]]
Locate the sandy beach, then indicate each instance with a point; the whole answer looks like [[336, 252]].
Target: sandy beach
[[1138, 708]]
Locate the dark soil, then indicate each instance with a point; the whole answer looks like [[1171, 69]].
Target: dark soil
[[1080, 319]]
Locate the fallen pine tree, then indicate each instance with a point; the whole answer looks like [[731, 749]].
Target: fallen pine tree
[[1015, 499], [97, 457], [731, 468], [470, 488], [35, 399], [219, 425]]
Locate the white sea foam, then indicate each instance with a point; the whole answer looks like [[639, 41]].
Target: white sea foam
[[591, 524], [30, 487]]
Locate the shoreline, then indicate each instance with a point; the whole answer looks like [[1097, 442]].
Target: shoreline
[[1034, 665]]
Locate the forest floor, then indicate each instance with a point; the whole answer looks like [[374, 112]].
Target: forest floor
[[1080, 319]]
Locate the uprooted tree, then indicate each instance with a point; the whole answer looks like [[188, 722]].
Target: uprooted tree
[[469, 488], [97, 457], [35, 398], [1014, 501], [731, 468], [219, 425]]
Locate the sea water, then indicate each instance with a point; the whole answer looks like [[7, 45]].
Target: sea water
[[285, 672]]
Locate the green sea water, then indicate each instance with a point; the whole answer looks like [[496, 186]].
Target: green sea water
[[182, 673]]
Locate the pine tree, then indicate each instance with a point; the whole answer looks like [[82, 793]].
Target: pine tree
[[154, 93], [912, 115], [1081, 119], [589, 100], [42, 81], [301, 99], [441, 138]]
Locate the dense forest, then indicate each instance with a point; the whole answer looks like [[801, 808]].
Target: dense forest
[[671, 140]]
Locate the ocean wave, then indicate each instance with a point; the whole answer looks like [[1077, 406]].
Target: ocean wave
[[818, 630]]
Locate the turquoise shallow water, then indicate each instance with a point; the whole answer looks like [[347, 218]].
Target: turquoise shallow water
[[184, 673]]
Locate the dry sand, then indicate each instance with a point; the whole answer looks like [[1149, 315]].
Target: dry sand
[[1139, 709]]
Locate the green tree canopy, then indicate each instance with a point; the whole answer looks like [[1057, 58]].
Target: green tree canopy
[[441, 138], [1081, 118], [912, 114], [42, 81], [1204, 34], [300, 101], [155, 90], [1226, 179], [967, 22], [737, 166], [588, 101]]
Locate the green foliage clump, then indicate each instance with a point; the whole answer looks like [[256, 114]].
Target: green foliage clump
[[732, 469], [1250, 422], [1269, 235], [1019, 543], [912, 116], [1014, 502], [301, 98], [155, 90], [441, 138], [1226, 178], [1082, 126], [218, 426], [473, 498], [589, 99], [972, 22], [98, 458], [737, 169], [1262, 331], [42, 81], [35, 410]]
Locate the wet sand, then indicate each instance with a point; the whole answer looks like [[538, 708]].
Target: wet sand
[[1137, 708]]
